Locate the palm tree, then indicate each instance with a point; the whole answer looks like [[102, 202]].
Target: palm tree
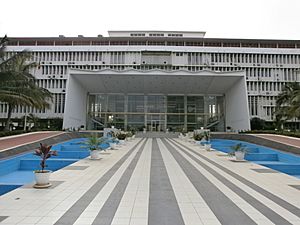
[[295, 103], [17, 84], [288, 102]]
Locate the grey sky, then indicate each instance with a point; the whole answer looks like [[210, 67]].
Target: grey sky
[[267, 19]]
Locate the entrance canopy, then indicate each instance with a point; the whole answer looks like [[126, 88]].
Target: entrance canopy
[[232, 85], [156, 81]]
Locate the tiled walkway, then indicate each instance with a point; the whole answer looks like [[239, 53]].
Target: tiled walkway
[[158, 181]]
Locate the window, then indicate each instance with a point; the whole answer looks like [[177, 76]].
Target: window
[[156, 35], [138, 35], [175, 35]]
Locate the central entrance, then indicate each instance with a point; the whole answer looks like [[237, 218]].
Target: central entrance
[[183, 100], [156, 123], [156, 113]]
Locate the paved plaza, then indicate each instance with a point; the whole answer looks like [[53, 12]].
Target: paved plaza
[[158, 181]]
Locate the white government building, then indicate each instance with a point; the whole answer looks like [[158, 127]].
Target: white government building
[[159, 80]]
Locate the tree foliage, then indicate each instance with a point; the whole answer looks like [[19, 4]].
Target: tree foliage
[[17, 85], [288, 102], [257, 123]]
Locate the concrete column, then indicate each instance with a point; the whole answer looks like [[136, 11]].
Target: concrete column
[[185, 113], [237, 113], [76, 96], [125, 110], [145, 110]]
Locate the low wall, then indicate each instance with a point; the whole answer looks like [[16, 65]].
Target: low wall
[[49, 141], [258, 140]]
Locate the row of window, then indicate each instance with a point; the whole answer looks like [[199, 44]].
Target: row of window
[[197, 58], [207, 43], [255, 58], [52, 83], [58, 106], [268, 112], [265, 86], [59, 103], [20, 109], [268, 109], [253, 106], [278, 74]]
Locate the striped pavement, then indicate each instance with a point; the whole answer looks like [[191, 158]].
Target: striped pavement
[[158, 181]]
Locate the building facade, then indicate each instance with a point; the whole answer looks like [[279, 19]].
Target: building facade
[[159, 80]]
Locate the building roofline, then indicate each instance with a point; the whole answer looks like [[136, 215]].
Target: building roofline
[[157, 31], [156, 38]]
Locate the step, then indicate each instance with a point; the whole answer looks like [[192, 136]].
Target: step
[[73, 148], [80, 147], [72, 154], [291, 169], [4, 188], [18, 177], [52, 164], [261, 157], [253, 150], [8, 166]]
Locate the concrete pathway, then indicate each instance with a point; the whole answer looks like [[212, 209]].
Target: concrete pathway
[[158, 181], [22, 139]]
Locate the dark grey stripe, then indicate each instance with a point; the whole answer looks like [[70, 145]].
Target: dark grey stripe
[[284, 204], [265, 171], [163, 207], [75, 167], [263, 209], [3, 218], [295, 186], [223, 208], [79, 206], [108, 211]]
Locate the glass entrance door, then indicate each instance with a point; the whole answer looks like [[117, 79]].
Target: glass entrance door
[[155, 123]]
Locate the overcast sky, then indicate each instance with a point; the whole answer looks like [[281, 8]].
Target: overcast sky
[[267, 19]]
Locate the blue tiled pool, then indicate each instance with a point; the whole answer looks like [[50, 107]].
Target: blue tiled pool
[[281, 161], [18, 170]]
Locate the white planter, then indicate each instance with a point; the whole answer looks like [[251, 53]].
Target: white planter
[[144, 130], [239, 155], [95, 154], [122, 142], [112, 145], [128, 138], [42, 179], [207, 147], [198, 142]]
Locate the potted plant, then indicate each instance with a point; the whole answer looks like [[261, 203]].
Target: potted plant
[[93, 144], [198, 138], [121, 136], [129, 135], [113, 144], [239, 151], [113, 141], [206, 137], [42, 176], [133, 132]]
